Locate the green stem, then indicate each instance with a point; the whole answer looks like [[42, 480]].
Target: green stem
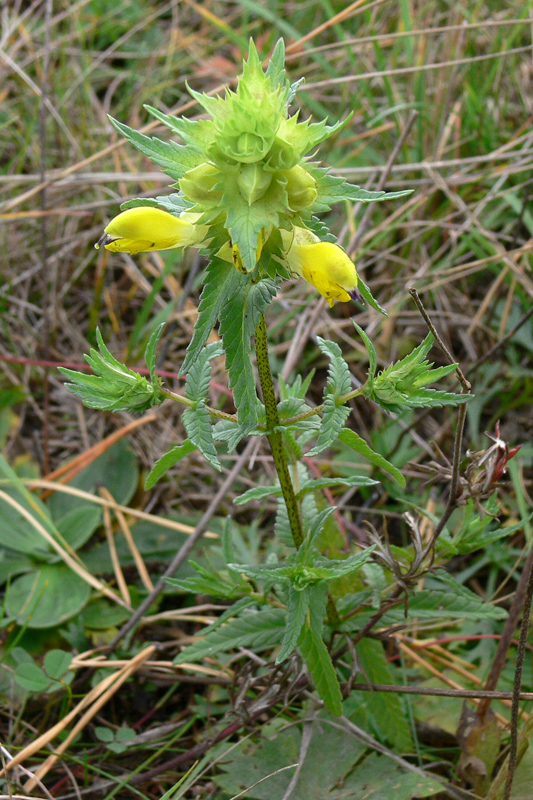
[[180, 398], [274, 435]]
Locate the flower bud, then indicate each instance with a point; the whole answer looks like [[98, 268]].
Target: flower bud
[[139, 230], [253, 182], [199, 185], [301, 188]]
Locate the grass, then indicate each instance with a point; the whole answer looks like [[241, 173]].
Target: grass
[[463, 239]]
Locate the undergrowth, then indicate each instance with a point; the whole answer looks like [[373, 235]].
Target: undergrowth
[[442, 104]]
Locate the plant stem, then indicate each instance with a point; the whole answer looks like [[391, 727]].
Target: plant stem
[[180, 398], [274, 435]]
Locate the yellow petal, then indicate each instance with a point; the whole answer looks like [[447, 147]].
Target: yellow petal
[[143, 229], [323, 264]]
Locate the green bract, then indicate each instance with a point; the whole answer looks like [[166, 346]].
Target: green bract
[[245, 170]]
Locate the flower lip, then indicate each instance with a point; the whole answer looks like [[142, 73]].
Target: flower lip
[[104, 240]]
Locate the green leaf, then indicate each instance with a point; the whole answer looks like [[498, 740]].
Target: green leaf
[[257, 493], [47, 597], [368, 297], [372, 355], [296, 614], [337, 568], [205, 582], [221, 280], [353, 440], [339, 378], [321, 669], [199, 373], [32, 678], [402, 384], [173, 158], [56, 663], [433, 604], [167, 461], [238, 320], [333, 420], [387, 714], [114, 386], [321, 483], [256, 630], [200, 432], [150, 352]]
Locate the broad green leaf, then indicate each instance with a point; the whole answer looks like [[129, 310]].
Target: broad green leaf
[[321, 669], [253, 629], [47, 597], [167, 461], [332, 755], [220, 281], [333, 420], [56, 663], [385, 709], [78, 524], [116, 469], [376, 777], [238, 320], [200, 432], [18, 534], [353, 440], [32, 678], [296, 614]]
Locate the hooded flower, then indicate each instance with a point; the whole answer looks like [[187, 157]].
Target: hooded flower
[[142, 229], [323, 264]]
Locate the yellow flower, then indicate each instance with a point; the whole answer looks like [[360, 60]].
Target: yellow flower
[[142, 229], [323, 264]]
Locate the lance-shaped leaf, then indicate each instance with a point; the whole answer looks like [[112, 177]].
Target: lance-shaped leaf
[[353, 440], [196, 420], [238, 320], [339, 384], [167, 461], [253, 629]]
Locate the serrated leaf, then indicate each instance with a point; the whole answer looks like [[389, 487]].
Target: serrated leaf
[[238, 320], [150, 352], [321, 669], [296, 614], [339, 378], [372, 356], [353, 440], [173, 158], [257, 493], [200, 431], [221, 279], [256, 630], [322, 483], [368, 297], [206, 582], [333, 420], [337, 568], [199, 373], [167, 461]]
